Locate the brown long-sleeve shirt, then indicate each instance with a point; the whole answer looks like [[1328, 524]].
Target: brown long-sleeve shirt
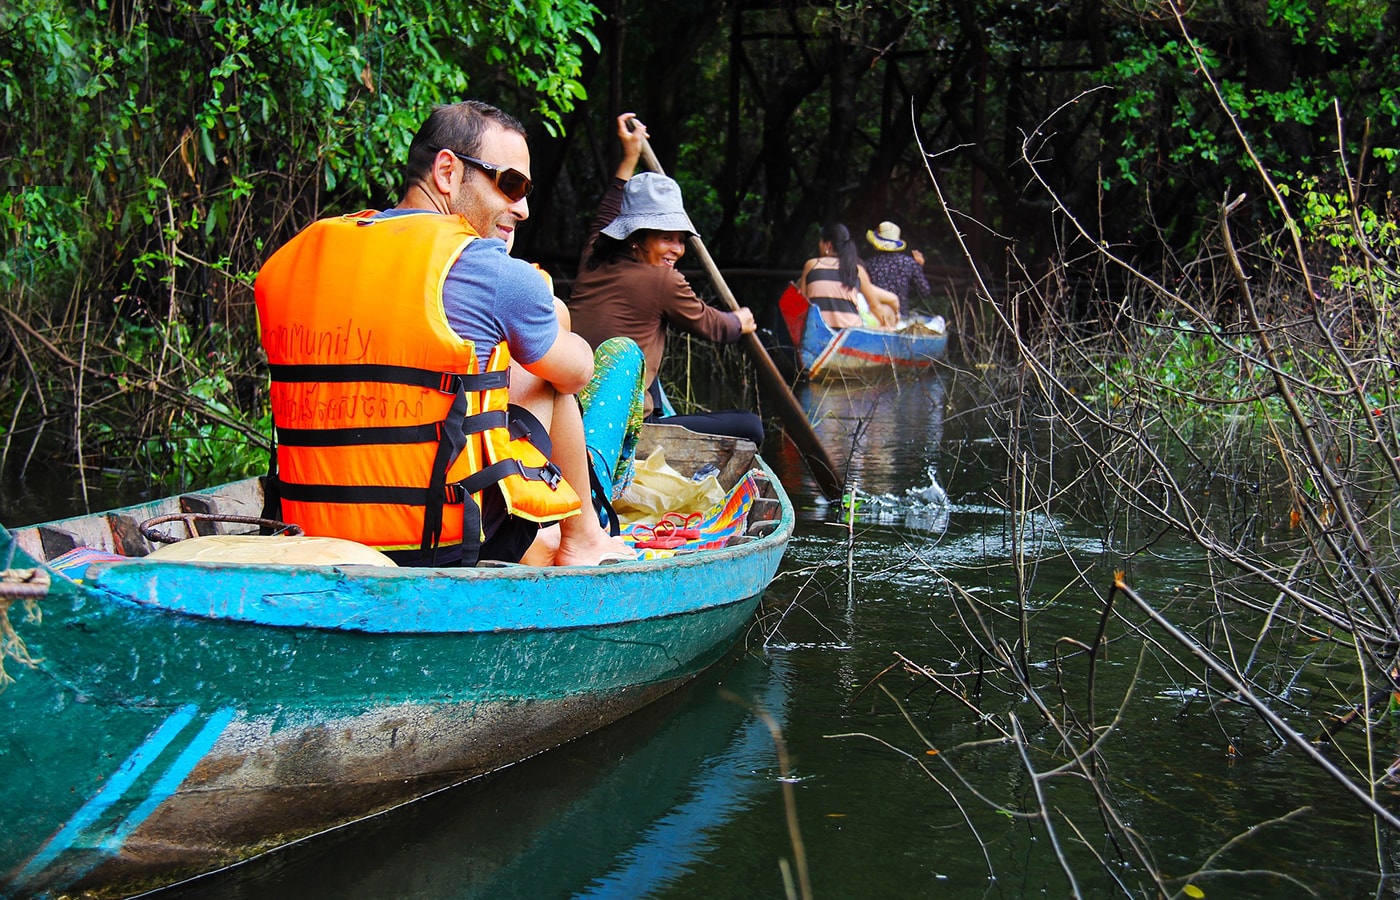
[[637, 300]]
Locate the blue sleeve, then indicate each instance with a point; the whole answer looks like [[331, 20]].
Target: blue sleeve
[[490, 296]]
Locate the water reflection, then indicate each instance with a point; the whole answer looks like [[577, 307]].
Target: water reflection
[[876, 433], [621, 813]]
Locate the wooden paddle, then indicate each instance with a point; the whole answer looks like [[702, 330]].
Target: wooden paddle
[[793, 415]]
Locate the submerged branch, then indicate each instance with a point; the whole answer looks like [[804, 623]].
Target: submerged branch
[[1275, 722]]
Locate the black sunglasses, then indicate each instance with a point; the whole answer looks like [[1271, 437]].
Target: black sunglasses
[[511, 183]]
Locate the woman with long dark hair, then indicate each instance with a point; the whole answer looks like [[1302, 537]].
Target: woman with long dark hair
[[837, 283]]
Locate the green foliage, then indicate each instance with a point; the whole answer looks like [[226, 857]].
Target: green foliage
[[223, 103], [1331, 346], [1196, 375], [1346, 232], [203, 436], [1286, 71], [153, 151]]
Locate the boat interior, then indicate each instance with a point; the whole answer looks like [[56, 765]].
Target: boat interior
[[236, 508]]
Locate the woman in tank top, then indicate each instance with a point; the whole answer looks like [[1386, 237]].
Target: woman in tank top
[[836, 282]]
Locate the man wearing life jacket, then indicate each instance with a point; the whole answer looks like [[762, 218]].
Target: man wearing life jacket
[[395, 339]]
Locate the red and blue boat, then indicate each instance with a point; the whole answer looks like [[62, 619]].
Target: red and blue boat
[[168, 718], [826, 352]]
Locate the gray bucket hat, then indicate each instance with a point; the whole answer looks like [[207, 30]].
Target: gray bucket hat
[[653, 202]]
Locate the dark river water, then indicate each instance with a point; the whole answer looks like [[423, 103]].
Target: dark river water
[[898, 787]]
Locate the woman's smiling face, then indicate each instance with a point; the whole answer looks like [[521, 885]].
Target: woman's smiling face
[[660, 248]]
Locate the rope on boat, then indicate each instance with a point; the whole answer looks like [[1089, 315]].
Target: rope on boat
[[149, 532], [28, 586], [23, 584]]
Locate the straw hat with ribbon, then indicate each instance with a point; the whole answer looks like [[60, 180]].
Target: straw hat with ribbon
[[885, 237]]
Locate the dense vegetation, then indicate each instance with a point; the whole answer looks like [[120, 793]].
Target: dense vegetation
[[1173, 230], [152, 154]]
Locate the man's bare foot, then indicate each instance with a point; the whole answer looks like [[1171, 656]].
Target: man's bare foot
[[588, 545], [544, 548]]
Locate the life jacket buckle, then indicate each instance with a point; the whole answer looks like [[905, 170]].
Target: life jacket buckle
[[551, 475], [519, 429], [449, 383], [455, 493]]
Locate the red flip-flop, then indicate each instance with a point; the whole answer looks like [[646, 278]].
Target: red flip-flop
[[684, 524], [663, 537]]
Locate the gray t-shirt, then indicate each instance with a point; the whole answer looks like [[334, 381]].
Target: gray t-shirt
[[490, 296]]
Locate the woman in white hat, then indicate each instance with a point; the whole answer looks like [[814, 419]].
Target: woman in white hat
[[894, 270], [628, 286]]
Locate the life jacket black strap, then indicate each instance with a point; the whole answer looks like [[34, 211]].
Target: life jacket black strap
[[602, 503], [548, 473], [471, 532], [341, 437], [485, 421], [450, 443], [523, 424], [388, 434], [272, 488], [366, 493], [337, 373]]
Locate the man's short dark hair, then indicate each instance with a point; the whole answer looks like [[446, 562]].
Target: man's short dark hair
[[454, 126]]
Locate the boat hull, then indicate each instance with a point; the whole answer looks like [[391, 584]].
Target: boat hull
[[182, 717], [187, 782], [824, 352]]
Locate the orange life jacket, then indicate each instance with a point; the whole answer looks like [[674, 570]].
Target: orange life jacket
[[387, 432]]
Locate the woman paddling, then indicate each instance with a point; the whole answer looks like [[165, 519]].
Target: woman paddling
[[628, 286]]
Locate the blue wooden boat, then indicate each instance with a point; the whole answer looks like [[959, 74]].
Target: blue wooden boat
[[826, 352], [170, 718]]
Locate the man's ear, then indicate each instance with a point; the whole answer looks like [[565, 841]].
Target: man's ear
[[444, 164]]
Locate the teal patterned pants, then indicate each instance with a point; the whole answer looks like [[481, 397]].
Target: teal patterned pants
[[613, 403]]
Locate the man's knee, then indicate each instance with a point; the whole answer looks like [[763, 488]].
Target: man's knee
[[533, 393]]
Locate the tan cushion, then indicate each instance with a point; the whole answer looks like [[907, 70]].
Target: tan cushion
[[257, 548]]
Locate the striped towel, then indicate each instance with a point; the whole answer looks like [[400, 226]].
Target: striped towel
[[721, 522], [75, 562]]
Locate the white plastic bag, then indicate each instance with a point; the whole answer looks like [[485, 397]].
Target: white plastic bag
[[866, 316], [657, 489]]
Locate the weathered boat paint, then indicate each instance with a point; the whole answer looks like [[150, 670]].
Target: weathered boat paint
[[827, 352], [185, 716]]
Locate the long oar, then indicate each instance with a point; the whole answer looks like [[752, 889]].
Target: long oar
[[793, 415]]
